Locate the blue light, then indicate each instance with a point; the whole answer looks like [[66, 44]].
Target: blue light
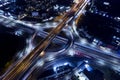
[[88, 67]]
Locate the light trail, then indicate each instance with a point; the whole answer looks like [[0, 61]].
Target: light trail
[[24, 64]]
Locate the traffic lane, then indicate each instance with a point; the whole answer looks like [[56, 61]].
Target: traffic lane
[[108, 59], [59, 60], [28, 60]]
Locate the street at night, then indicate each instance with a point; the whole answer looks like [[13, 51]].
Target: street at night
[[59, 40]]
